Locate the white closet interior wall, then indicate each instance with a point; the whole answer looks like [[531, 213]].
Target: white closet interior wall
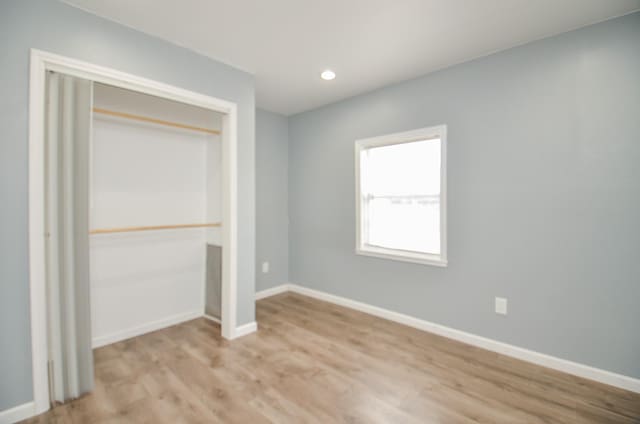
[[146, 174]]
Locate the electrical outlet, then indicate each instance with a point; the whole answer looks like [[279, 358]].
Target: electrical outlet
[[265, 267], [501, 306]]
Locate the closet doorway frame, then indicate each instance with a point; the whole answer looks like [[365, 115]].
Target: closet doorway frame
[[41, 63]]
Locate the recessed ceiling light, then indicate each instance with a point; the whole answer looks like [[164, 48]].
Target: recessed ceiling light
[[328, 75]]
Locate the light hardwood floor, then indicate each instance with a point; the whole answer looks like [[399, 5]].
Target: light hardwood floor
[[314, 362]]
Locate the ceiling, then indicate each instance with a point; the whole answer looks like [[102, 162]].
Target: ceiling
[[368, 43]]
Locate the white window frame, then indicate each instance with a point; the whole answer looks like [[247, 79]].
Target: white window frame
[[440, 132]]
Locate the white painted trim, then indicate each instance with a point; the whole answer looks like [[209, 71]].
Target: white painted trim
[[40, 63], [240, 331], [245, 329], [401, 255], [230, 227], [145, 328], [563, 365], [101, 74], [37, 235], [365, 249], [283, 288], [211, 318], [17, 413]]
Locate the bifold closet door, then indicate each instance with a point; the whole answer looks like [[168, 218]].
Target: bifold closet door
[[68, 299]]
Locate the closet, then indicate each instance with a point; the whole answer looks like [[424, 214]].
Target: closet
[[155, 213], [127, 227]]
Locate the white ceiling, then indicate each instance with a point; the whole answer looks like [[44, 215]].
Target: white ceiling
[[368, 43]]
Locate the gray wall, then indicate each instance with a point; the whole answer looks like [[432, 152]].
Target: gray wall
[[544, 196], [272, 220], [55, 27]]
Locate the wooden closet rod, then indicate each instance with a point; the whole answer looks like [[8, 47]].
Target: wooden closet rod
[[153, 120], [152, 228]]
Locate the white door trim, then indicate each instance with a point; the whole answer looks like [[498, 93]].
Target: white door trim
[[41, 62]]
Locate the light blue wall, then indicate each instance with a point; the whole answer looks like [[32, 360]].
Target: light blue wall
[[544, 187], [272, 219], [544, 196], [55, 27]]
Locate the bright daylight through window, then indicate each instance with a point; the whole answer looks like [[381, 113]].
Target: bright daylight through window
[[401, 205]]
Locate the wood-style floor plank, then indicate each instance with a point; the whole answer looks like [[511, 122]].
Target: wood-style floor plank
[[315, 362]]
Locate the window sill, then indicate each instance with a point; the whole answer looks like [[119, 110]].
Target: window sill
[[403, 256]]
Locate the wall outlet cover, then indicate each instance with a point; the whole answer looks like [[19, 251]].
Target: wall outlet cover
[[501, 306]]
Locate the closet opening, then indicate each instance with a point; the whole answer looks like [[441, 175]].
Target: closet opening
[[132, 215], [155, 213]]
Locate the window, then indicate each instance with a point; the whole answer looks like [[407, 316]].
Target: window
[[401, 196]]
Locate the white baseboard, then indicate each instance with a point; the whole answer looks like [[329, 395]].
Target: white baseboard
[[212, 318], [245, 329], [145, 328], [569, 367], [240, 331], [272, 291], [18, 413]]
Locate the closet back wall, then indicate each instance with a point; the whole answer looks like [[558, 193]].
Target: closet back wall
[[142, 175]]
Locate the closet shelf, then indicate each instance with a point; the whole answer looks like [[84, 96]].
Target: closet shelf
[[153, 120], [152, 228]]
